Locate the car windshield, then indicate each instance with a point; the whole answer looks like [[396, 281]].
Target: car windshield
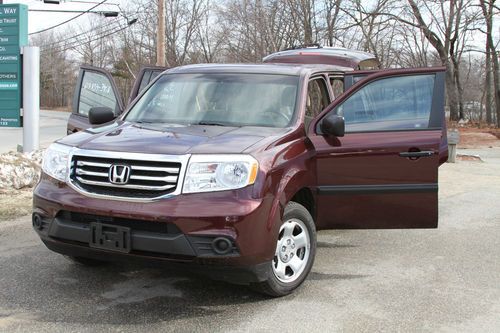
[[219, 100]]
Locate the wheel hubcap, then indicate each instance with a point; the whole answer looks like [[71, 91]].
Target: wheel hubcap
[[292, 251], [287, 250]]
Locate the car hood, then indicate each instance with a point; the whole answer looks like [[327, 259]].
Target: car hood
[[172, 140]]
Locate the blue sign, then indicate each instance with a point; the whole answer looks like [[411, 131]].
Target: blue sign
[[13, 35]]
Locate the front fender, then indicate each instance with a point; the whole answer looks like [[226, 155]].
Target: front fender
[[290, 169]]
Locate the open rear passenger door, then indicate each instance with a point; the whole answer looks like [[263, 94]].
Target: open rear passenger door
[[383, 173]]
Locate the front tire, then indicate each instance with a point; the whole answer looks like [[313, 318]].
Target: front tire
[[294, 255]]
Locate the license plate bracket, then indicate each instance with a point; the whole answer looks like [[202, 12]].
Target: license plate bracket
[[109, 237]]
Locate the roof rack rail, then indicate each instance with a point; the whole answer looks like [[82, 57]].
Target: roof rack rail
[[303, 46]]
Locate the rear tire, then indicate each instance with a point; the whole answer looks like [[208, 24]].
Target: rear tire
[[295, 252], [86, 261]]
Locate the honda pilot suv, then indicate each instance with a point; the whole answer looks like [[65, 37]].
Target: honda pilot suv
[[231, 169]]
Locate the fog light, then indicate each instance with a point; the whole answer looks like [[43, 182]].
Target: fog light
[[37, 222], [222, 245]]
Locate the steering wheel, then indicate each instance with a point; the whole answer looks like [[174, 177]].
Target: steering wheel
[[276, 116]]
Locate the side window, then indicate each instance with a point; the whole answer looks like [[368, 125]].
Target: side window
[[351, 79], [317, 97], [96, 90], [154, 74], [357, 78], [146, 78], [396, 103], [337, 86]]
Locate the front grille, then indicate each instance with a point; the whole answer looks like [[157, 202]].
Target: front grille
[[147, 179]]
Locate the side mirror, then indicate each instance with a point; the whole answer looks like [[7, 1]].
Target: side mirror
[[100, 115], [333, 125]]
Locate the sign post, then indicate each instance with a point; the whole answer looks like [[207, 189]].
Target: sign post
[[31, 98], [13, 35]]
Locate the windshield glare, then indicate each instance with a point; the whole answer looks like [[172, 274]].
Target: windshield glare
[[218, 99]]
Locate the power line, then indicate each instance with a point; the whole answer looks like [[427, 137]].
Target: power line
[[69, 20], [77, 42], [93, 40], [100, 30], [66, 48], [103, 30], [82, 41]]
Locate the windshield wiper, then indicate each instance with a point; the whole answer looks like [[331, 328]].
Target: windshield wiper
[[210, 123]]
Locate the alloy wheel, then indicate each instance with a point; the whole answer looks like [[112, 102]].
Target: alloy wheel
[[292, 251]]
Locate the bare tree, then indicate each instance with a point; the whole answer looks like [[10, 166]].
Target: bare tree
[[57, 71], [414, 48], [377, 32], [209, 38], [302, 13], [257, 28], [332, 17], [182, 20], [442, 25], [492, 66]]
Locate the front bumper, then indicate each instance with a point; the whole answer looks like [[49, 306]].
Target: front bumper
[[153, 239], [229, 273], [181, 228]]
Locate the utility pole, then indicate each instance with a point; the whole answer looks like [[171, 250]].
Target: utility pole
[[160, 35]]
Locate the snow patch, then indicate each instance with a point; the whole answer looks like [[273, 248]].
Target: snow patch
[[20, 170]]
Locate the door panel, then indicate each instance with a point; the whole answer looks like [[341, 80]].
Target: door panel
[[95, 87], [77, 123], [365, 183], [384, 172]]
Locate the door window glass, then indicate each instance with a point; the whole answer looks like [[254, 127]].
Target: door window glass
[[154, 74], [146, 78], [396, 103], [317, 97], [358, 78], [96, 91], [337, 86]]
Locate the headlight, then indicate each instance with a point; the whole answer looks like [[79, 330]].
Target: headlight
[[206, 173], [55, 161]]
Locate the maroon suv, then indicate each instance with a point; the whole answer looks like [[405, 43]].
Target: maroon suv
[[234, 167]]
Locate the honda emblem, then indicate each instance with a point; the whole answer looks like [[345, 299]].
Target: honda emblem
[[119, 174]]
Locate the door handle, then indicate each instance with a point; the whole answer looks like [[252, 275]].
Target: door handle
[[413, 155]]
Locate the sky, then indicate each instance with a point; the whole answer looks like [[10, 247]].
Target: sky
[[38, 21]]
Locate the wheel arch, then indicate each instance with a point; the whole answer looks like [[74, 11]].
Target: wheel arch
[[305, 197]]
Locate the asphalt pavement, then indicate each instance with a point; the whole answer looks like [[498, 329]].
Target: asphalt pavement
[[442, 280], [52, 127]]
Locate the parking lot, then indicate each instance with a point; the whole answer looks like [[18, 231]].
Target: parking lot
[[446, 279], [52, 127]]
